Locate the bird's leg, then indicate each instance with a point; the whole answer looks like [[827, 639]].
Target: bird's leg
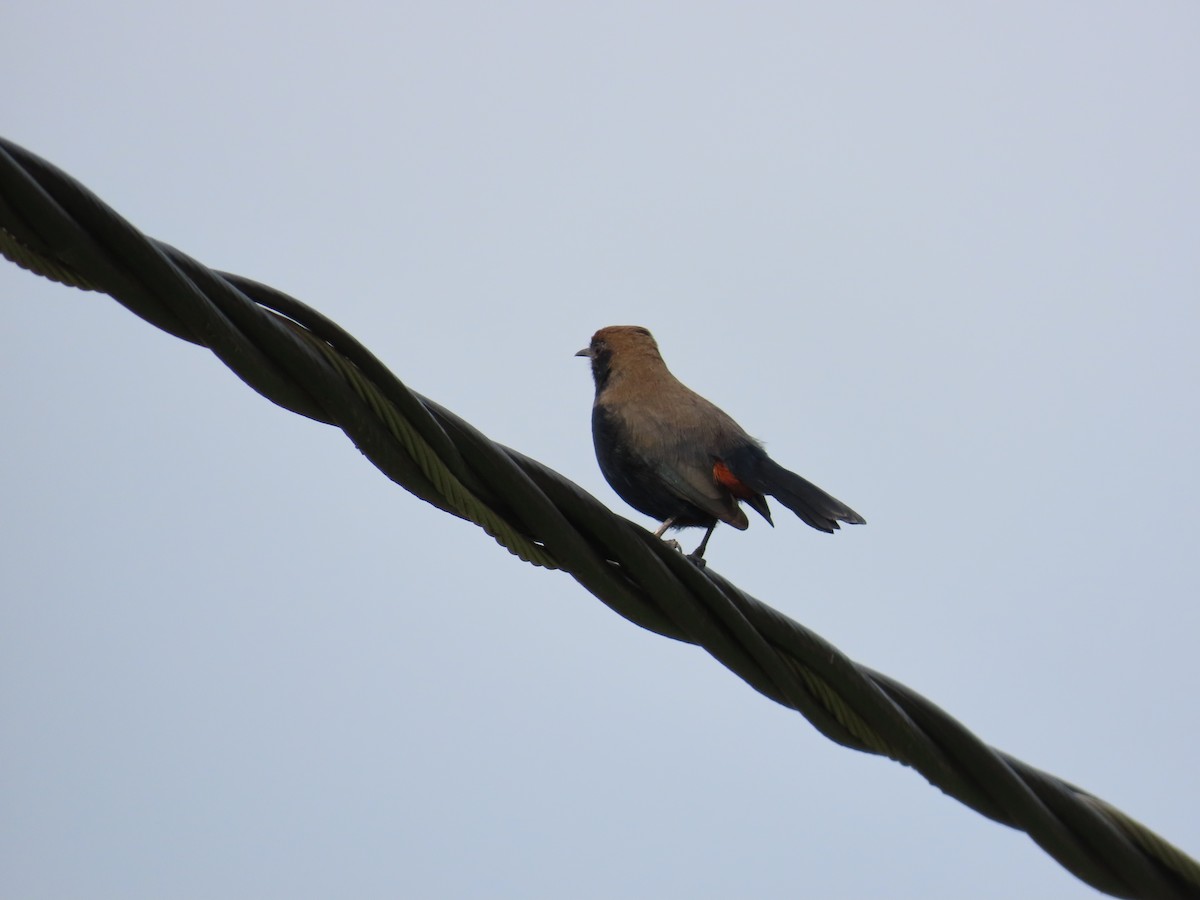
[[673, 544], [697, 555]]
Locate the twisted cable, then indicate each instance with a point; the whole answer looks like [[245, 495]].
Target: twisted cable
[[297, 358]]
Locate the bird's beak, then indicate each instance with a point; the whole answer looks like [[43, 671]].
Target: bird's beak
[[586, 351]]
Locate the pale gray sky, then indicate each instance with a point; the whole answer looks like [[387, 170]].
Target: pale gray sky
[[942, 257]]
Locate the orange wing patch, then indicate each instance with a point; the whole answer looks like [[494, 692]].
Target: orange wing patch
[[729, 481]]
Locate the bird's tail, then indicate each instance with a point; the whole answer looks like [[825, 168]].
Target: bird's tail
[[756, 470]]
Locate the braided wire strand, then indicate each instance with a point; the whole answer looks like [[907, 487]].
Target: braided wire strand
[[460, 498], [297, 358]]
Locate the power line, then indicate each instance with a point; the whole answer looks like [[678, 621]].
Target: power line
[[296, 357]]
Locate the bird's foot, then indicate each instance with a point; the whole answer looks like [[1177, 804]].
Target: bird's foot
[[697, 555], [673, 544]]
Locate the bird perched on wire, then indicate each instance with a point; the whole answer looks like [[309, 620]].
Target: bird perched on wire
[[671, 454]]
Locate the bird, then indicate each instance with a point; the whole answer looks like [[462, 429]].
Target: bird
[[673, 455]]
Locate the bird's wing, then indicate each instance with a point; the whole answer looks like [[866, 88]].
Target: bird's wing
[[692, 480]]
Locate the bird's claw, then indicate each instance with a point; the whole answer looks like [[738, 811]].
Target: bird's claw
[[694, 556]]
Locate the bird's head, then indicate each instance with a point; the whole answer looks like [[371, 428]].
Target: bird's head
[[617, 348]]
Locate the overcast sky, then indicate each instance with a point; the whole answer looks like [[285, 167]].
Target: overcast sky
[[944, 258]]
